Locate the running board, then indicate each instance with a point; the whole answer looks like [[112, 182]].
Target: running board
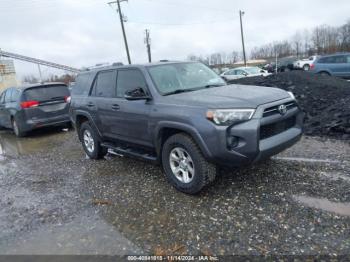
[[129, 151]]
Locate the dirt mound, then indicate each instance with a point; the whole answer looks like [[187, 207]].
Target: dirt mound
[[325, 100]]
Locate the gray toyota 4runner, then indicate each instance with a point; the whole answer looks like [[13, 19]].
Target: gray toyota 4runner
[[183, 116]]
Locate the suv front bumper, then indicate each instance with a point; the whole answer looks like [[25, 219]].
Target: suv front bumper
[[252, 142]]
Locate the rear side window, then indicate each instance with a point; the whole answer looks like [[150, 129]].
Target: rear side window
[[129, 80], [104, 85], [83, 84], [46, 93], [333, 60], [15, 95], [8, 96], [340, 59], [230, 72]]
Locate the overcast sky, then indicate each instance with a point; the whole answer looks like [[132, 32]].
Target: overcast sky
[[85, 32]]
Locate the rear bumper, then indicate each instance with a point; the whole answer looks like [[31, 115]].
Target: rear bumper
[[31, 124], [250, 147]]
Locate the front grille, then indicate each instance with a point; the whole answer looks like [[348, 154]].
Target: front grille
[[274, 109], [273, 129]]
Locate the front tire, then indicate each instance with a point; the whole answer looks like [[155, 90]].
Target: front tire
[[185, 166], [91, 142]]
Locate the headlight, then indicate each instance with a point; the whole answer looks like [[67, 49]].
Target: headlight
[[229, 116], [291, 95]]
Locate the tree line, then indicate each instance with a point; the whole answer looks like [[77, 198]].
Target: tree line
[[66, 78], [321, 40]]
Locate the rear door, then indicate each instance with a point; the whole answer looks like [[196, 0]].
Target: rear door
[[230, 75], [347, 73], [103, 106], [340, 65], [51, 100]]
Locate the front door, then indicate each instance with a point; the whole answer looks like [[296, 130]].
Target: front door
[[131, 118]]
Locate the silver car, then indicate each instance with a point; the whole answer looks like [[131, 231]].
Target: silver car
[[240, 72]]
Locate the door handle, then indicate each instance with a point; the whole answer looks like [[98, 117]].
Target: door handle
[[90, 104], [115, 107]]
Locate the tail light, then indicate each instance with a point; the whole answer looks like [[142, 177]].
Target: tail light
[[312, 66], [67, 99], [29, 104]]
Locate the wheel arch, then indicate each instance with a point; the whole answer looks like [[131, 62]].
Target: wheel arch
[[324, 71], [81, 117], [167, 129]]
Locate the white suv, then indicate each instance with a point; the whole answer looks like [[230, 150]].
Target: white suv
[[305, 64]]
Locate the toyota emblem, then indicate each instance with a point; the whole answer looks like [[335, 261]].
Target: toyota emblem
[[282, 109]]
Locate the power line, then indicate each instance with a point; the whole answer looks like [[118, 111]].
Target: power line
[[179, 24]]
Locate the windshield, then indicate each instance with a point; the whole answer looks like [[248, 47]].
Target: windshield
[[253, 70], [170, 78]]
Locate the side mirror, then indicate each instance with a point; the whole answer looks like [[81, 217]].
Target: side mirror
[[245, 74], [136, 94]]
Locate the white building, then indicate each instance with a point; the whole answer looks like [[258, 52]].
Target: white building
[[7, 74]]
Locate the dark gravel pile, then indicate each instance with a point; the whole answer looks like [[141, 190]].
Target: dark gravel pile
[[325, 100]]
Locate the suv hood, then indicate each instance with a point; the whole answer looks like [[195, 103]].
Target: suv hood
[[230, 96]]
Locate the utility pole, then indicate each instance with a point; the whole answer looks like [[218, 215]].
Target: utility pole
[[148, 44], [240, 19], [122, 24]]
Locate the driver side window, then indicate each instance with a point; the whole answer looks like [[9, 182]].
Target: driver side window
[[128, 80]]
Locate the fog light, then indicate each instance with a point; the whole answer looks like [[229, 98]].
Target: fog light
[[232, 142]]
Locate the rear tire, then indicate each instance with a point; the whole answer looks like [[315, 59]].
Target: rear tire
[[185, 166], [306, 67], [91, 143], [16, 129]]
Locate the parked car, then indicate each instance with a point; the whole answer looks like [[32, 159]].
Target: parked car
[[240, 72], [284, 64], [34, 106], [305, 64], [183, 116], [335, 65]]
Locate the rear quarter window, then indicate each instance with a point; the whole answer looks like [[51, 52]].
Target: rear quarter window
[[83, 84], [45, 93]]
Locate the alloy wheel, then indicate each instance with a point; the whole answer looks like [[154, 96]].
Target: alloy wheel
[[88, 141], [182, 165]]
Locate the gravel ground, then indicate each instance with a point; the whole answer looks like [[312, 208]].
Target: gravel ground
[[53, 200]]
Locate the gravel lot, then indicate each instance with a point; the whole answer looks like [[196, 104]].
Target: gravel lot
[[53, 200]]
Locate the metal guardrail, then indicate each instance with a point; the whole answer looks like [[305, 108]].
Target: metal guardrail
[[38, 61]]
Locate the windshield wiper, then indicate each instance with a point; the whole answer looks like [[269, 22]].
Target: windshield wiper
[[213, 85], [178, 91]]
